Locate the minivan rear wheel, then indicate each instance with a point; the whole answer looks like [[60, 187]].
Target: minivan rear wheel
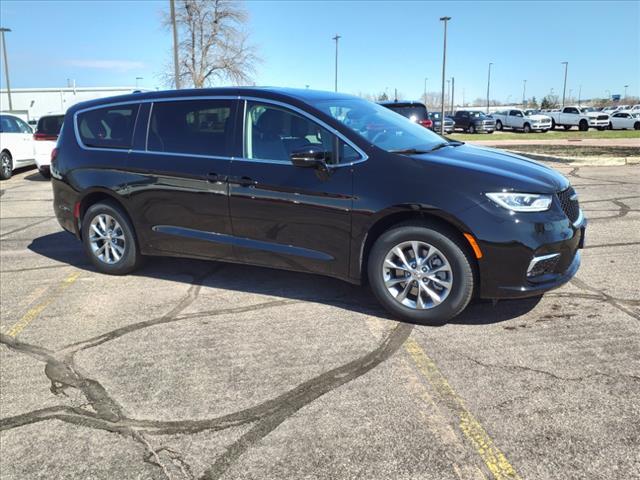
[[420, 274], [109, 239]]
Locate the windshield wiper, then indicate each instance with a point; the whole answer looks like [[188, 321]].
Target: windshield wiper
[[409, 151]]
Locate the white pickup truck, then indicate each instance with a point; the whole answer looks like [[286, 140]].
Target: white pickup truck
[[581, 117], [521, 120]]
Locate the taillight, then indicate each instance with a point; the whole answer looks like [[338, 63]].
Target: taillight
[[54, 155], [45, 136], [426, 123]]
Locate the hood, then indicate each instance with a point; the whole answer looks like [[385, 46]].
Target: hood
[[539, 117], [596, 114], [498, 169]]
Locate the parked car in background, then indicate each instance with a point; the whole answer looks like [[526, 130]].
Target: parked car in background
[[428, 222], [517, 119], [624, 121], [414, 111], [610, 109], [448, 122], [635, 109], [16, 145], [581, 117], [473, 122], [45, 138]]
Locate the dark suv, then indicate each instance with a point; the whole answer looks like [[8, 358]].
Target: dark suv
[[473, 122], [314, 182], [414, 111]]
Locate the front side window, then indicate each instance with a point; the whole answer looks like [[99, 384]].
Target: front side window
[[199, 127], [23, 127], [274, 133], [8, 124], [110, 127], [378, 125]]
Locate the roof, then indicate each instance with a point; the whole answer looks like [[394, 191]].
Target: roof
[[274, 93]]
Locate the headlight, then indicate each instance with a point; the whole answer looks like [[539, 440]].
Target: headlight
[[521, 202]]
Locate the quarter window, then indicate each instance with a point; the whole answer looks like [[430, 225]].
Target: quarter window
[[198, 127], [274, 133], [110, 127]]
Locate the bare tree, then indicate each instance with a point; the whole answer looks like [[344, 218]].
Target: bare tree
[[214, 46]]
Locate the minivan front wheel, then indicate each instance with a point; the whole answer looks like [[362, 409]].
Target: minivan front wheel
[[109, 239], [420, 274]]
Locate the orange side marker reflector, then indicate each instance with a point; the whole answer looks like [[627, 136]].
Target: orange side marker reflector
[[474, 245]]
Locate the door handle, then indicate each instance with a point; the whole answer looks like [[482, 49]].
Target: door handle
[[214, 177], [243, 181]]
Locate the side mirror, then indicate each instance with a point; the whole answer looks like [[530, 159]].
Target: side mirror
[[310, 158]]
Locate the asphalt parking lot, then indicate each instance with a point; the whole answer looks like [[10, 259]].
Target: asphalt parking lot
[[194, 369]]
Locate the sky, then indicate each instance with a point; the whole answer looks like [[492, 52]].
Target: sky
[[385, 45]]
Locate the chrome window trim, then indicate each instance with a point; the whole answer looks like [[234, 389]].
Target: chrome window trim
[[146, 137], [363, 156]]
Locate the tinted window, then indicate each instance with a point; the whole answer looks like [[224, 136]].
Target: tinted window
[[110, 127], [50, 125], [8, 124], [273, 133], [23, 127], [200, 127], [412, 112]]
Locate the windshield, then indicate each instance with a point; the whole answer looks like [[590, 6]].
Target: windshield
[[587, 110], [477, 114], [379, 125]]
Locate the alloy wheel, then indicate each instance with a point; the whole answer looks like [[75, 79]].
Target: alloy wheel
[[107, 239], [6, 165], [417, 275]]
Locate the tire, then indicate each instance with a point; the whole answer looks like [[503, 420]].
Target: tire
[[126, 248], [471, 129], [6, 165], [610, 126], [526, 128], [499, 125], [553, 124], [567, 127], [583, 126], [601, 128], [458, 262], [636, 126]]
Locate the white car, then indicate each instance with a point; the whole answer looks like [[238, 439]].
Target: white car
[[526, 121], [624, 121], [635, 109], [16, 145], [45, 139]]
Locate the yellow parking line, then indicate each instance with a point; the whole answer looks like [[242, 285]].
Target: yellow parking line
[[33, 313], [493, 458]]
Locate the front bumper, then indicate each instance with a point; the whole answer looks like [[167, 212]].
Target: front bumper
[[485, 127], [541, 126], [598, 123], [509, 242]]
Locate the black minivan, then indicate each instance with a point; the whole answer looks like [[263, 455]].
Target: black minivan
[[314, 182]]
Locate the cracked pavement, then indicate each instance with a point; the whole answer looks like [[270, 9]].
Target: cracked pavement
[[192, 369]]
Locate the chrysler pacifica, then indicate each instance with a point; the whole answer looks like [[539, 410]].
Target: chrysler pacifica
[[314, 182]]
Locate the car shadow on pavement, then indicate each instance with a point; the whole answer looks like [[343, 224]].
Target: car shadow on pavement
[[36, 177], [63, 247]]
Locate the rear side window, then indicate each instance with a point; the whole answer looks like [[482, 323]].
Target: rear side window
[[110, 127], [50, 125], [199, 127]]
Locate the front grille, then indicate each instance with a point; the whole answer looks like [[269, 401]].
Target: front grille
[[569, 203], [603, 117]]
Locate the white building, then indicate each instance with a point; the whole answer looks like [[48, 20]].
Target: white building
[[32, 103]]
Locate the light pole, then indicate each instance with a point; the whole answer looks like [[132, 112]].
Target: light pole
[[625, 91], [6, 65], [453, 91], [176, 65], [448, 91], [137, 80], [336, 38], [444, 64], [425, 90], [579, 94], [564, 88], [488, 85], [524, 90]]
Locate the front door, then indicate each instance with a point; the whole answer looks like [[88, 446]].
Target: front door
[[286, 216], [178, 187]]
